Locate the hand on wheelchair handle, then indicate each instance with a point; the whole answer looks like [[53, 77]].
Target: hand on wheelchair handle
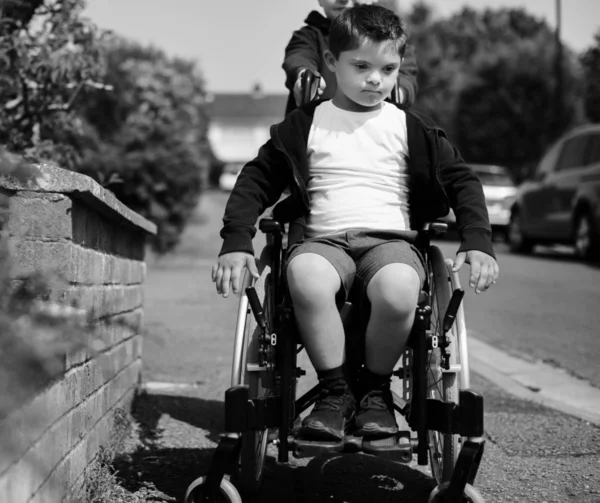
[[318, 86], [227, 272], [484, 269]]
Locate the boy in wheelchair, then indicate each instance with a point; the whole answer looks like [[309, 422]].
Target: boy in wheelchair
[[305, 51], [362, 174]]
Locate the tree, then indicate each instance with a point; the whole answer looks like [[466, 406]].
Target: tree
[[126, 115], [151, 135], [48, 54], [590, 61], [488, 78]]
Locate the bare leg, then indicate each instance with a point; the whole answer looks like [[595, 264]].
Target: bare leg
[[313, 283], [393, 293]]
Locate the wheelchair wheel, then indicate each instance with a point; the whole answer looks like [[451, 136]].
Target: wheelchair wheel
[[228, 492], [470, 494], [443, 448], [254, 443]]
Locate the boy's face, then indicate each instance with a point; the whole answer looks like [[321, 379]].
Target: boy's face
[[365, 76], [333, 8]]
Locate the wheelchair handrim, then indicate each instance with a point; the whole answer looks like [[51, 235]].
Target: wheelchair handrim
[[443, 449]]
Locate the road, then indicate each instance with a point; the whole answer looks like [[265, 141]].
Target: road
[[543, 307]]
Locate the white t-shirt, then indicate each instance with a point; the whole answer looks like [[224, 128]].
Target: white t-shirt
[[358, 174]]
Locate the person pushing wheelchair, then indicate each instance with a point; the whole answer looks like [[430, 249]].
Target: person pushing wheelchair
[[361, 173]]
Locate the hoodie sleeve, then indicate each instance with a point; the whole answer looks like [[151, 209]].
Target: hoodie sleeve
[[407, 76], [301, 52], [258, 187], [465, 194]]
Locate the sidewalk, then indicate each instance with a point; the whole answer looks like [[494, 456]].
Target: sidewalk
[[533, 454]]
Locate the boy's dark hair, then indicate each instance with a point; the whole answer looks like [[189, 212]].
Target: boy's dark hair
[[372, 22]]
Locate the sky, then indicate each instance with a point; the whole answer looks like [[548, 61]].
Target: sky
[[239, 43]]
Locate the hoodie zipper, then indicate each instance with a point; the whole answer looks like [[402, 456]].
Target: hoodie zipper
[[281, 148]]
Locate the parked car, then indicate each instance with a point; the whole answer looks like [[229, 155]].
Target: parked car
[[229, 175], [499, 190], [560, 204]]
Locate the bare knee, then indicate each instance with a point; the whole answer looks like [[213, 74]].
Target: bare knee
[[312, 280], [394, 291]]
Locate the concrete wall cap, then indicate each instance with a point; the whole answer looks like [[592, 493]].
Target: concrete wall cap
[[49, 178]]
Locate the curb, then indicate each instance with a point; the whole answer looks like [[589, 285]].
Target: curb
[[535, 381]]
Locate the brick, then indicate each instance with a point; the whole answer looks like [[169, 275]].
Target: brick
[[100, 300], [89, 424], [44, 216], [105, 333], [73, 263], [73, 467], [95, 231], [94, 267], [28, 424], [29, 257], [71, 471]]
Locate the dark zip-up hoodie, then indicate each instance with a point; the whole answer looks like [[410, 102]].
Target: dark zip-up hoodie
[[305, 50], [439, 179]]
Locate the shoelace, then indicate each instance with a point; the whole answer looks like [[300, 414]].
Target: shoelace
[[373, 400], [329, 401]]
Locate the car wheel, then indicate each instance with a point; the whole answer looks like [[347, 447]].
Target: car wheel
[[517, 242], [587, 240]]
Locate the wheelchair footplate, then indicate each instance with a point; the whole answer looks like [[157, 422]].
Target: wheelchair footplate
[[396, 448]]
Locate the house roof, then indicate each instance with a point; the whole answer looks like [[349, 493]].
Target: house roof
[[240, 106]]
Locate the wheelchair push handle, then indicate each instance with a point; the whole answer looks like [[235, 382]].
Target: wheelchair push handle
[[307, 82], [257, 309], [395, 95]]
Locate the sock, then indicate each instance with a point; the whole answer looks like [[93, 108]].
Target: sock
[[371, 381], [332, 378]]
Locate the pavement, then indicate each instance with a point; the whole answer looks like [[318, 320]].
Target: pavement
[[541, 424]]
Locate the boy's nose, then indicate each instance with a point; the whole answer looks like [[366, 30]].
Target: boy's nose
[[374, 78]]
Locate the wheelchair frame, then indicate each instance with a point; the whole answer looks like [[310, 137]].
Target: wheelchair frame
[[266, 348]]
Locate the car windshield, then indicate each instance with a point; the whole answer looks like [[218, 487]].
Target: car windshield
[[496, 179]]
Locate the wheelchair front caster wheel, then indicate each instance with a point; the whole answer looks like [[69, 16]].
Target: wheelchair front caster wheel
[[470, 495], [228, 493]]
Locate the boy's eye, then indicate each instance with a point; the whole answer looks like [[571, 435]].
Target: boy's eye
[[360, 66]]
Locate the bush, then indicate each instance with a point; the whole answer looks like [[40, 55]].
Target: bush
[[152, 131], [126, 115]]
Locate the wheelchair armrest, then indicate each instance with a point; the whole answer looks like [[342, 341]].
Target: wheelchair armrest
[[271, 226]]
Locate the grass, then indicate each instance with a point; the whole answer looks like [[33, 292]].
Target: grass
[[103, 483]]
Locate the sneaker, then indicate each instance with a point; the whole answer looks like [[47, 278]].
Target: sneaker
[[331, 415], [375, 417]]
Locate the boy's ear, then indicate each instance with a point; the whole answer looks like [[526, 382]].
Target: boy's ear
[[330, 60]]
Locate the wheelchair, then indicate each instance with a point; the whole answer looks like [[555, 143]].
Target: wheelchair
[[444, 417]]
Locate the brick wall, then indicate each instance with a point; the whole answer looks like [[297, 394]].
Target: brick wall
[[63, 222]]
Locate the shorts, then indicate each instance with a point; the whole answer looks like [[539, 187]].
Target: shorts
[[360, 254]]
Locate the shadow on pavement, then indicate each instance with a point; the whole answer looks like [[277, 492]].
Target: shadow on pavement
[[170, 471], [354, 478], [175, 441], [176, 437], [207, 415]]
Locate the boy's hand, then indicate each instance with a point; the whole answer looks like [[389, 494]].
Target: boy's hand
[[228, 269], [316, 90], [484, 269]]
